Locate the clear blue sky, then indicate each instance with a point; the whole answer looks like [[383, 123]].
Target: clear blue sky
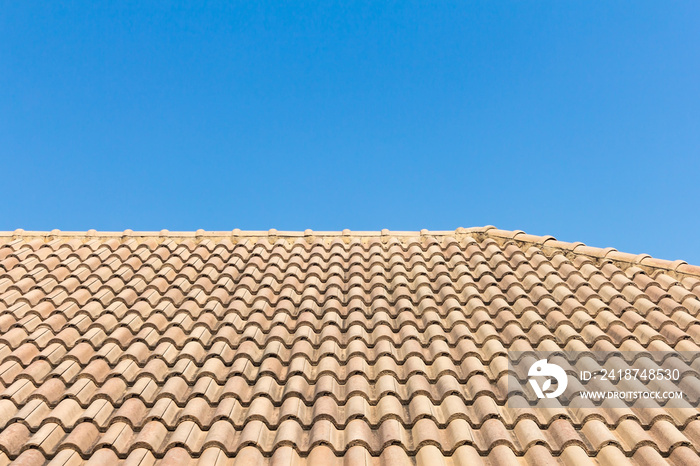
[[573, 119]]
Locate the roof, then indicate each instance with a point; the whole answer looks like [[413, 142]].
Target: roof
[[325, 347]]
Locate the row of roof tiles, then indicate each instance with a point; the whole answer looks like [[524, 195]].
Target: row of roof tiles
[[85, 437], [392, 455]]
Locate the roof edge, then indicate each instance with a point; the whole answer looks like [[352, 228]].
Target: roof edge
[[678, 268]]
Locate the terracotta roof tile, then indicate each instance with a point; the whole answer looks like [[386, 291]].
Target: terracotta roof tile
[[234, 348]]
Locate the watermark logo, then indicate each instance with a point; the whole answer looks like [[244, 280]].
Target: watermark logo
[[543, 369], [595, 380]]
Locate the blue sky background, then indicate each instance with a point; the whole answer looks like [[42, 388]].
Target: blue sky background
[[573, 119]]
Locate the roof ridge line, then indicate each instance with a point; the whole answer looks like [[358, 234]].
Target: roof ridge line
[[236, 233], [678, 268], [239, 234]]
